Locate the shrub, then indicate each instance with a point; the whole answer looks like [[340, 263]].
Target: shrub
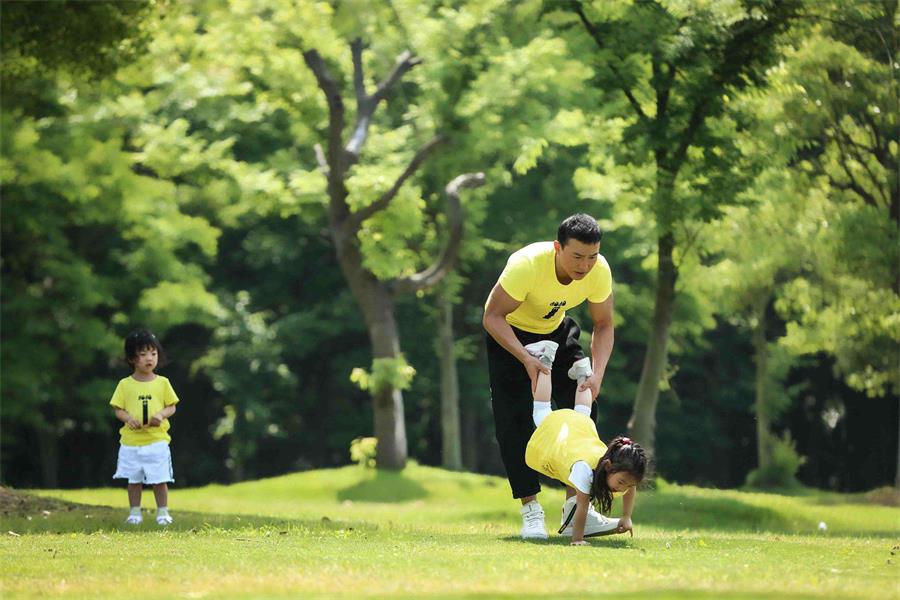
[[782, 471]]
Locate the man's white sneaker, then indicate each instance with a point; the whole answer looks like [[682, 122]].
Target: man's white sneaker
[[594, 525], [163, 520], [134, 520], [533, 522], [581, 370], [544, 350]]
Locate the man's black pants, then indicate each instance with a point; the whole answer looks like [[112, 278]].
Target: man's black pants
[[512, 400]]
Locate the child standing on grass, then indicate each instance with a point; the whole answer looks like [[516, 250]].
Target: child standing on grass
[[566, 447], [144, 401]]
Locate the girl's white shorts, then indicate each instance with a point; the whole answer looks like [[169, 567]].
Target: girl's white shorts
[[148, 464]]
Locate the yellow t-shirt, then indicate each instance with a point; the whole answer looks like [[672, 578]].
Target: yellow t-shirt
[[530, 278], [142, 400], [563, 438]]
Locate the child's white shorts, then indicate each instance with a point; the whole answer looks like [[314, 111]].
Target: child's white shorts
[[148, 464]]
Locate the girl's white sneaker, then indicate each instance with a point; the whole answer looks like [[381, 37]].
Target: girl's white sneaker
[[134, 520], [595, 524], [163, 520], [544, 350], [581, 370]]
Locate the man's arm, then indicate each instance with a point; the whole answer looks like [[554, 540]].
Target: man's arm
[[602, 340], [500, 304]]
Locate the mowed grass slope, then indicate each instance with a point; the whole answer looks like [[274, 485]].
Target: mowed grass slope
[[427, 532]]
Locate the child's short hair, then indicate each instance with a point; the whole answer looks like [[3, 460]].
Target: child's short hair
[[139, 339], [623, 455]]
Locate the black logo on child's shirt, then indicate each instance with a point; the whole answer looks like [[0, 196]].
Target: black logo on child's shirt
[[555, 306], [145, 406]]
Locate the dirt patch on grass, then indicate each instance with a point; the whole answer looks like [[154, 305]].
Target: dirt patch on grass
[[886, 496], [21, 504]]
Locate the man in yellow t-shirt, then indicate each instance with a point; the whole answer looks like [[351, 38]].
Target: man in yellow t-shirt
[[528, 306]]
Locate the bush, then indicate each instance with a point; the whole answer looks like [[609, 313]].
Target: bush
[[363, 450], [782, 471]]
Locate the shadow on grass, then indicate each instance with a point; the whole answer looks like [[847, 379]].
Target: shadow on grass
[[608, 541], [384, 486], [24, 514], [673, 510]]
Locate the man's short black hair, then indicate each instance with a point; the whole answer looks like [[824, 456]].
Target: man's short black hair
[[581, 227]]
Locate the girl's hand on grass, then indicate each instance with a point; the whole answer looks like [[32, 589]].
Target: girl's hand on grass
[[625, 525], [579, 543]]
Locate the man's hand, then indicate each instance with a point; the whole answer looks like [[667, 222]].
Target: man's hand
[[156, 420], [534, 368], [592, 382], [625, 525]]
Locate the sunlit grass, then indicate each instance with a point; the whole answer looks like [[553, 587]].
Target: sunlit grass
[[354, 533]]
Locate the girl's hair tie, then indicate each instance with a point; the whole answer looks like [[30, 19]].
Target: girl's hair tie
[[626, 441]]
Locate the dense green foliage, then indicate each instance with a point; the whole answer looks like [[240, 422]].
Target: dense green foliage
[[172, 181]]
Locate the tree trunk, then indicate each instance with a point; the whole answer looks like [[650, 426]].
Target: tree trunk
[[390, 427], [451, 450], [642, 425], [761, 354], [48, 450], [897, 476]]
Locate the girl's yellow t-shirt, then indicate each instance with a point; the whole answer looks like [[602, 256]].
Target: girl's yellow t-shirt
[[142, 400], [563, 438]]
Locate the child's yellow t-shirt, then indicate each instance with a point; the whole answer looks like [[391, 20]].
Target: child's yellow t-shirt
[[563, 438], [142, 400], [530, 278]]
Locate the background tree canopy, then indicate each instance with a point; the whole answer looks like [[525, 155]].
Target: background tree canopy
[[170, 165]]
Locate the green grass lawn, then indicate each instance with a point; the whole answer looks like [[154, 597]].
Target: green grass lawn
[[428, 532]]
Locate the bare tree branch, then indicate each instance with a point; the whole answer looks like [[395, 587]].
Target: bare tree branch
[[405, 62], [366, 105], [576, 5], [444, 263], [853, 185], [320, 158], [335, 109], [387, 196], [359, 82]]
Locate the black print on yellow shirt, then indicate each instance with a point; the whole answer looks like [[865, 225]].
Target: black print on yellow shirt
[[145, 401], [555, 306]]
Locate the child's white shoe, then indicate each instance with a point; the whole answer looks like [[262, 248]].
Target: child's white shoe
[[533, 522], [163, 520], [581, 370], [544, 350], [595, 524], [134, 520]]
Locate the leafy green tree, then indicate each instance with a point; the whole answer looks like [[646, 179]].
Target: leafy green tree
[[247, 368], [759, 249], [89, 248], [663, 72], [833, 112], [41, 40], [374, 293]]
